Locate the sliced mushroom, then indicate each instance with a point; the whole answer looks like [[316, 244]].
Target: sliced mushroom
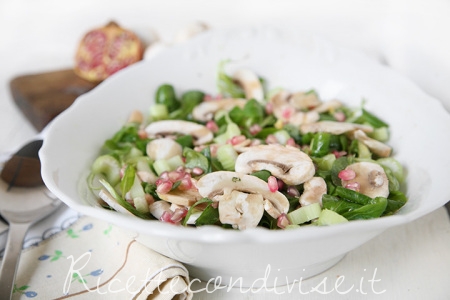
[[370, 179], [215, 185], [377, 147], [112, 202], [328, 106], [333, 127], [200, 133], [183, 198], [302, 100], [158, 208], [302, 117], [287, 163], [163, 148], [205, 110], [249, 81], [314, 189], [242, 210]]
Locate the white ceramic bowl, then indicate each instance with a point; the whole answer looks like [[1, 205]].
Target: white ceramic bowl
[[418, 126]]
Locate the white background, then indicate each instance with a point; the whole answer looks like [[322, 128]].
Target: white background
[[410, 36]]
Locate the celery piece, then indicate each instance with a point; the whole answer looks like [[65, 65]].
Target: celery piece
[[326, 162], [227, 156], [282, 136], [292, 226], [161, 166], [394, 166], [137, 193], [304, 213], [381, 134], [232, 130], [158, 112], [329, 217], [109, 167], [174, 162], [363, 151]]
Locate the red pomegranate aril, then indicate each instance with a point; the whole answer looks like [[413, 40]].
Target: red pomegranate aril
[[269, 108], [271, 139], [292, 191], [166, 217], [339, 116], [255, 129], [178, 215], [235, 140], [164, 186], [352, 186], [283, 221], [197, 171], [176, 175], [185, 184], [272, 183], [347, 174], [211, 125]]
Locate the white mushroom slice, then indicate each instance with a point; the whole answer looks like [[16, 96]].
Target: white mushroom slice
[[371, 179], [158, 208], [314, 189], [183, 198], [287, 163], [249, 81], [163, 148], [333, 127], [205, 110], [241, 210], [271, 210], [201, 134], [377, 147], [224, 182], [302, 100], [301, 117], [109, 199], [328, 106]]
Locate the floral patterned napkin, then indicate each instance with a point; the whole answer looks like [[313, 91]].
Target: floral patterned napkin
[[93, 259]]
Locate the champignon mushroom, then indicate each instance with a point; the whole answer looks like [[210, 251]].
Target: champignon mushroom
[[215, 185], [287, 163], [375, 146], [241, 210], [183, 198], [200, 133], [333, 127], [158, 208], [314, 189], [370, 179], [205, 110], [327, 106], [249, 81], [302, 100], [302, 117], [163, 148]]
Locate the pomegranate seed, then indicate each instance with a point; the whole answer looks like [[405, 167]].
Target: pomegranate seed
[[280, 184], [218, 97], [339, 116], [271, 139], [347, 174], [235, 140], [211, 125], [163, 186], [178, 215], [164, 176], [338, 154], [180, 169], [283, 221], [207, 98], [149, 198], [287, 113], [175, 175], [352, 186], [166, 217], [272, 183], [292, 191], [185, 183], [142, 134], [291, 142], [197, 171], [255, 129], [269, 108]]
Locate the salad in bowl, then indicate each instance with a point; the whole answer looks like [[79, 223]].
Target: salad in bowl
[[229, 168], [245, 157]]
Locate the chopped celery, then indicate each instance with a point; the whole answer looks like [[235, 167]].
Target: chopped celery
[[363, 151], [158, 112], [381, 134], [326, 162], [282, 136], [227, 156], [160, 166], [394, 166], [329, 217], [232, 130], [304, 213], [109, 167], [174, 162]]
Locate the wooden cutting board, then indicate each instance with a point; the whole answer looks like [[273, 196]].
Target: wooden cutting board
[[43, 96]]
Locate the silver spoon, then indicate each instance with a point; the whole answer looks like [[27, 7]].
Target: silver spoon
[[21, 206]]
